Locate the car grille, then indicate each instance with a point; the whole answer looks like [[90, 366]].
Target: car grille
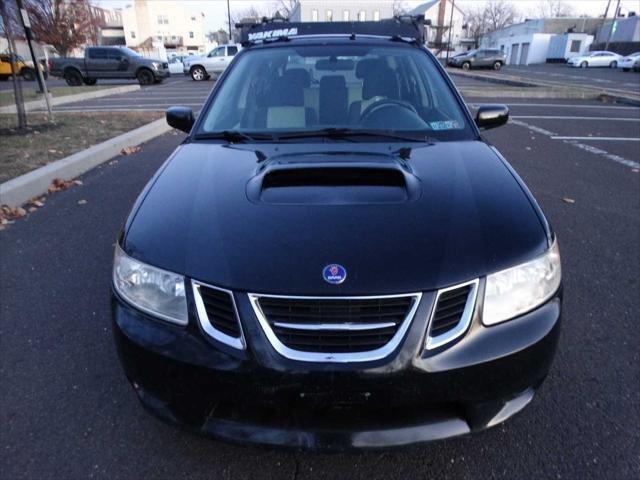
[[335, 329], [218, 314], [452, 313]]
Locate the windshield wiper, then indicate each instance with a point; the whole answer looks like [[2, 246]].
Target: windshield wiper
[[234, 136], [352, 132]]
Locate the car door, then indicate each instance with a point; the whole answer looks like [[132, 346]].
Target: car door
[[601, 59], [481, 58], [103, 63], [119, 64], [216, 60]]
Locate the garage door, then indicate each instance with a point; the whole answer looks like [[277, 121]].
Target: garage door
[[514, 54], [524, 54]]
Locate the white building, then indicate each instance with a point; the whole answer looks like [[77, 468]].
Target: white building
[[564, 47], [163, 25], [529, 42], [439, 12], [341, 11]]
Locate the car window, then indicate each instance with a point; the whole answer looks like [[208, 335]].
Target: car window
[[97, 54], [307, 87], [217, 52], [232, 50], [114, 54]]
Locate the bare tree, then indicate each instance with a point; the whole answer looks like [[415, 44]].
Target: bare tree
[[65, 24], [553, 9], [493, 15], [399, 8], [9, 12]]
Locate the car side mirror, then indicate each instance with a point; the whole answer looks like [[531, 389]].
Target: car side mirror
[[180, 118], [492, 116]]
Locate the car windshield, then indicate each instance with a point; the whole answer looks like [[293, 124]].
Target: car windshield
[[129, 52], [342, 88]]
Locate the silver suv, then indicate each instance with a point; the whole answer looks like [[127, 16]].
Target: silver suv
[[484, 58]]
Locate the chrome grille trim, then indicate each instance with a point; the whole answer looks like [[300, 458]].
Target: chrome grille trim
[[205, 323], [465, 320], [341, 357]]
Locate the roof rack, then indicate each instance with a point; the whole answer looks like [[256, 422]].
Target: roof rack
[[409, 27]]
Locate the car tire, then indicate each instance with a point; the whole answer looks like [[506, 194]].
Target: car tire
[[497, 66], [626, 69], [613, 64], [198, 74], [584, 65], [90, 81], [466, 66], [145, 76], [28, 74], [73, 78]]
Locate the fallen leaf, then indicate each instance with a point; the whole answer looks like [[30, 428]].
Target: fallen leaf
[[635, 170], [130, 150], [52, 150], [19, 212], [2, 227], [78, 182], [82, 202], [59, 184], [568, 200], [33, 209]]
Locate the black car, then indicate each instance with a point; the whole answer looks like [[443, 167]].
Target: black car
[[334, 257]]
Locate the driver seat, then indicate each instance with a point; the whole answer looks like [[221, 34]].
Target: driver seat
[[378, 80]]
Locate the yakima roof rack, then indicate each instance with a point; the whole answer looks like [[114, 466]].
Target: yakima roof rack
[[409, 27]]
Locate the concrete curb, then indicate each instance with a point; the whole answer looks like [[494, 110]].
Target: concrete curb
[[18, 190], [78, 97]]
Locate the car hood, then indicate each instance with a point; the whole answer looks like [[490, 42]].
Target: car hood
[[268, 218]]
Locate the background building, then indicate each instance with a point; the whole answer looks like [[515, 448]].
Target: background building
[[529, 41], [163, 25], [347, 11], [109, 26]]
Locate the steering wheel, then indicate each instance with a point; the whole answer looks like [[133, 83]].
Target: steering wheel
[[385, 103]]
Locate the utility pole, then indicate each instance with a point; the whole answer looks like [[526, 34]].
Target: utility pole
[[229, 19], [613, 25], [453, 4], [26, 24], [604, 19]]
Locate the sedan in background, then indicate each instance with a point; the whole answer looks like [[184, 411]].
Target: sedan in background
[[595, 59], [629, 61]]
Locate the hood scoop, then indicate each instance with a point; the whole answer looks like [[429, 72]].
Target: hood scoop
[[333, 184]]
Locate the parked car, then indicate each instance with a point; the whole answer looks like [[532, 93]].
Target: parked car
[[202, 67], [628, 62], [636, 65], [175, 64], [23, 68], [483, 58], [335, 257], [595, 59], [109, 62]]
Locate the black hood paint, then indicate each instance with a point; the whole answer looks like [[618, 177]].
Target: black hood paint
[[471, 217]]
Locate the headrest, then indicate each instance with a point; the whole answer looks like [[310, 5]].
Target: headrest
[[298, 77], [332, 82]]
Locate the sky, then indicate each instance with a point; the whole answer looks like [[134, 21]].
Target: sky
[[216, 10]]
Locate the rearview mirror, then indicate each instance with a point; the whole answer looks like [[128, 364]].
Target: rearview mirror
[[180, 118], [492, 116]]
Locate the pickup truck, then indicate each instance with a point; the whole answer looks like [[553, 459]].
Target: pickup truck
[[108, 62]]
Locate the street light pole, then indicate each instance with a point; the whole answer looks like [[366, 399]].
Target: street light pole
[[453, 4], [229, 19]]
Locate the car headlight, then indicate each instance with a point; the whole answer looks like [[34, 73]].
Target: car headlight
[[157, 65], [522, 288], [152, 290]]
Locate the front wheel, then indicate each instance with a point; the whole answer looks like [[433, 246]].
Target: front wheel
[[145, 77], [584, 65], [626, 69], [613, 64], [90, 81], [466, 66], [73, 78], [198, 74], [497, 66], [28, 74]]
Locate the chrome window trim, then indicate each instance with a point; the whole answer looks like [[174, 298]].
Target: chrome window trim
[[324, 357], [465, 320], [206, 324]]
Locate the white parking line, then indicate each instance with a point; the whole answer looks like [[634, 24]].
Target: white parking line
[[583, 146], [568, 117], [612, 139], [563, 105]]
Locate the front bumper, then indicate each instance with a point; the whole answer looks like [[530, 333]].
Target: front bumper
[[414, 396]]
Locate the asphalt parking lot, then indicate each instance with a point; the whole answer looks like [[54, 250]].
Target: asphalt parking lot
[[67, 411]]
